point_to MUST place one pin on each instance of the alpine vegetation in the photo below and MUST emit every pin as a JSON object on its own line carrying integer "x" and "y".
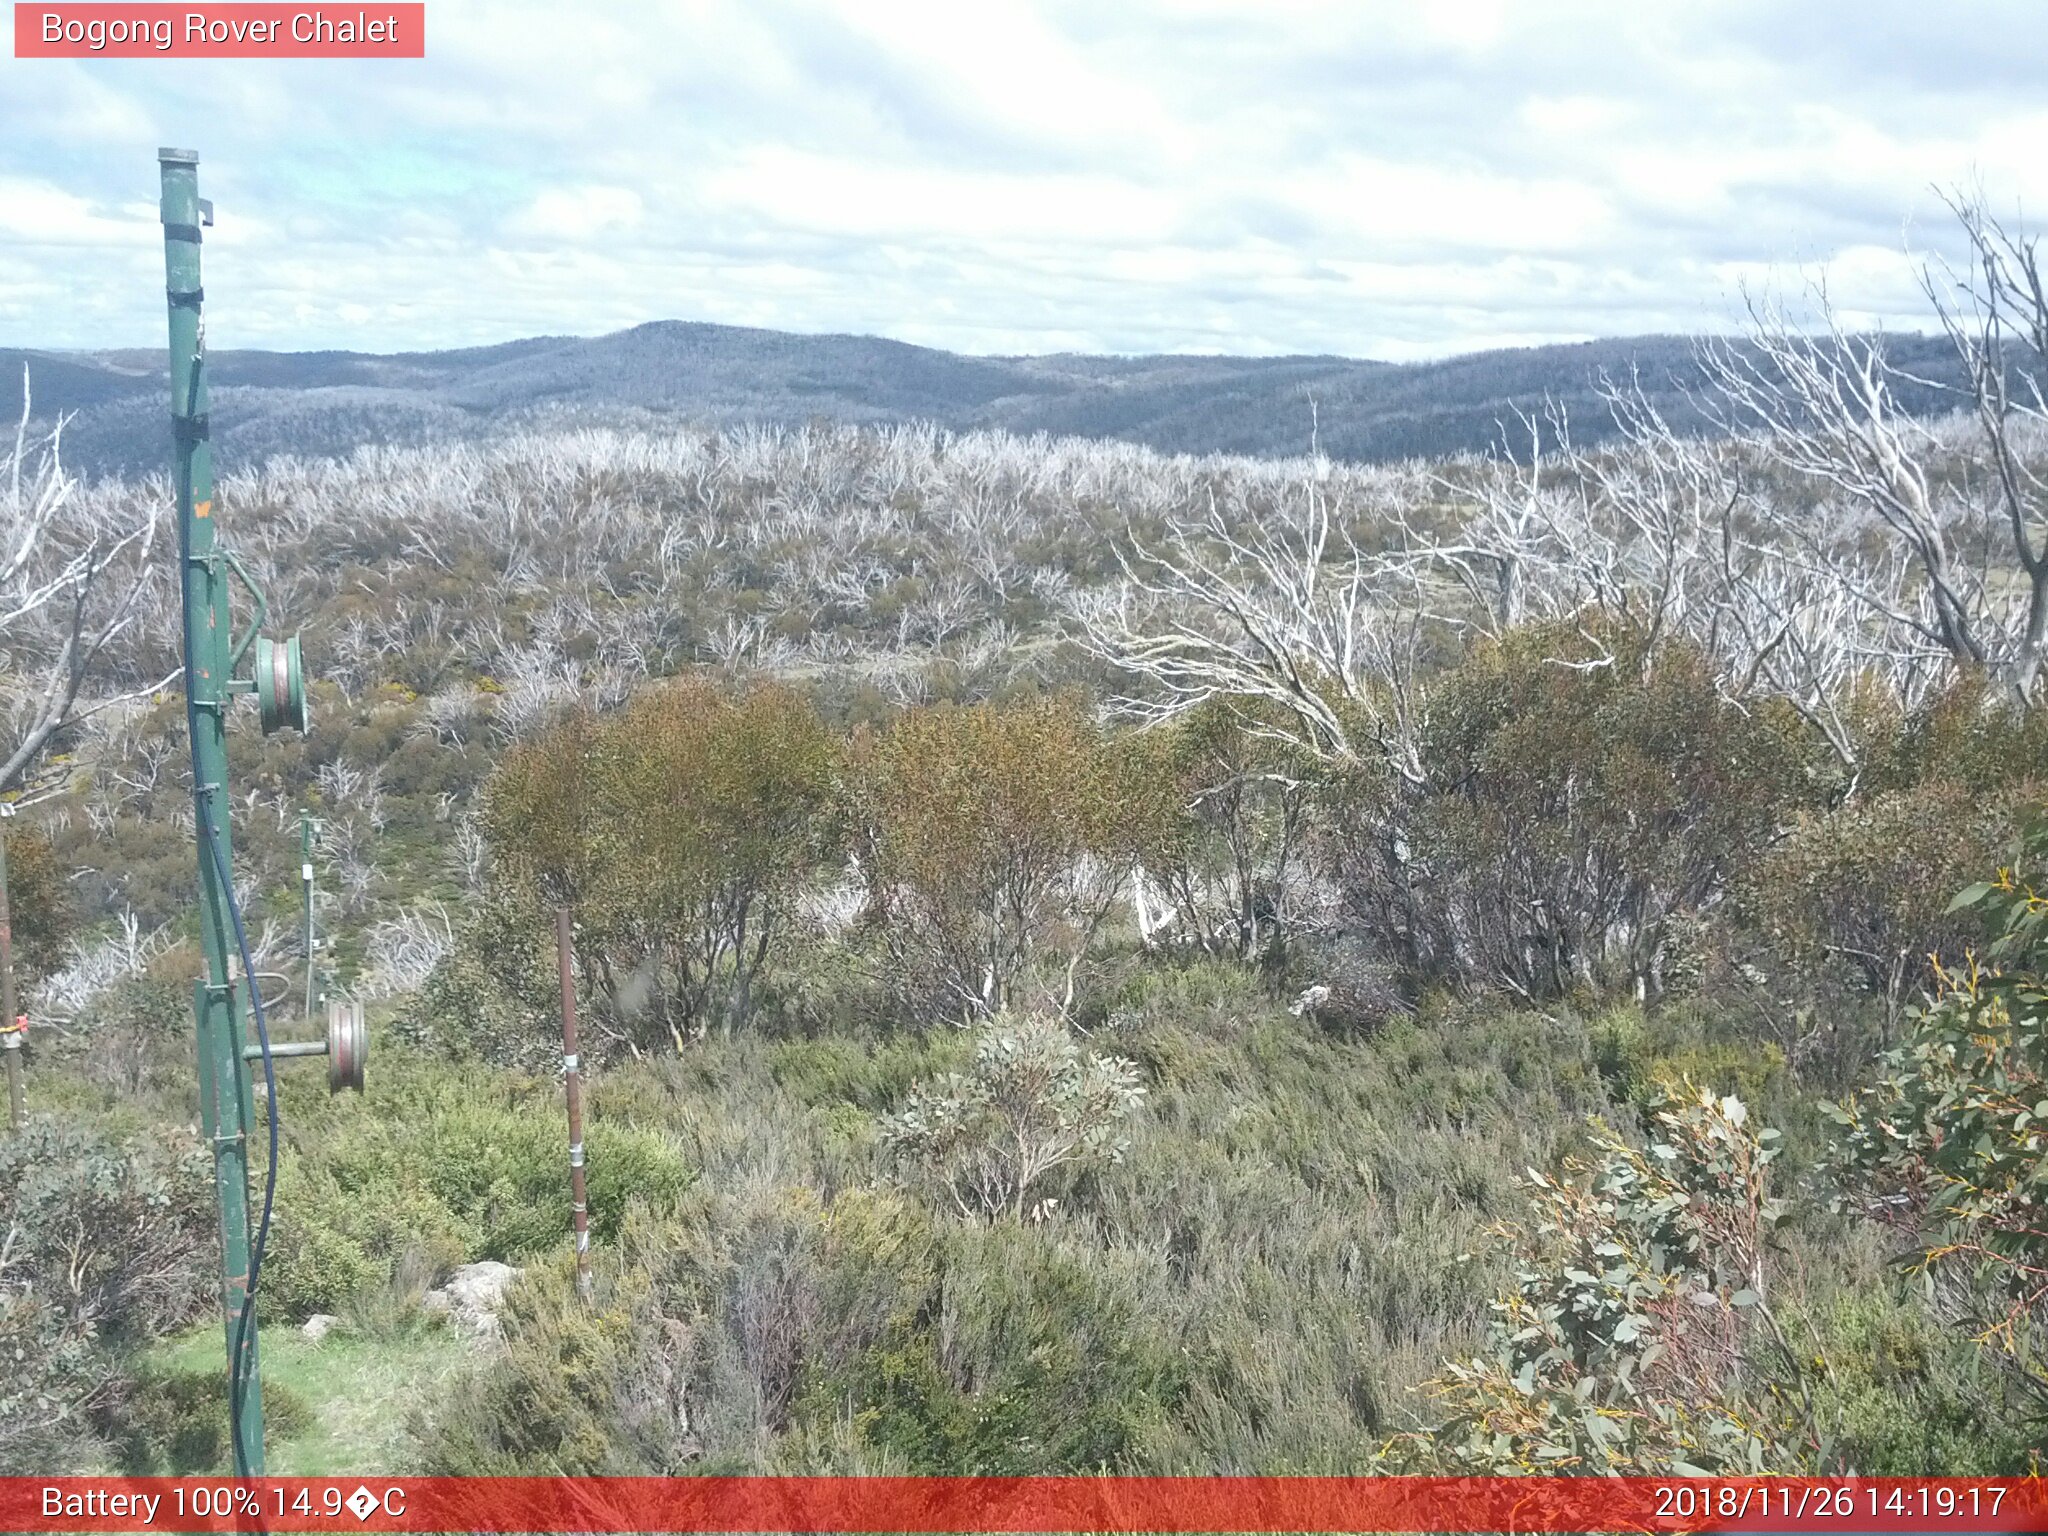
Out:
{"x": 1088, "y": 958}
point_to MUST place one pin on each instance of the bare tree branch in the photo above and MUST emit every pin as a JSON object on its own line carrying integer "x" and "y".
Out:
{"x": 73, "y": 580}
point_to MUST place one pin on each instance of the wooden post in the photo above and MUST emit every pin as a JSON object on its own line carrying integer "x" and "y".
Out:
{"x": 572, "y": 1078}
{"x": 11, "y": 1039}
{"x": 306, "y": 884}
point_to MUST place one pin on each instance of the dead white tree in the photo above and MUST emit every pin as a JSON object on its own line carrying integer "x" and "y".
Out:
{"x": 404, "y": 949}
{"x": 1276, "y": 611}
{"x": 1522, "y": 549}
{"x": 1997, "y": 318}
{"x": 1823, "y": 407}
{"x": 73, "y": 580}
{"x": 1657, "y": 534}
{"x": 1660, "y": 503}
{"x": 1627, "y": 532}
{"x": 1787, "y": 606}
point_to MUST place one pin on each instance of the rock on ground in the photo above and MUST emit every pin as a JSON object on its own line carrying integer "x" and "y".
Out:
{"x": 473, "y": 1296}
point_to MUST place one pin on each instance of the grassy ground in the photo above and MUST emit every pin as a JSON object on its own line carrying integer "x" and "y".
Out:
{"x": 355, "y": 1391}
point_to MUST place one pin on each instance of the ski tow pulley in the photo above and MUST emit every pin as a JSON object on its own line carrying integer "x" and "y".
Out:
{"x": 280, "y": 685}
{"x": 348, "y": 1046}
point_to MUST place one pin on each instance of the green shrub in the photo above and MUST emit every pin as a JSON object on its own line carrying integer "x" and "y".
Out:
{"x": 1643, "y": 1057}
{"x": 1575, "y": 805}
{"x": 173, "y": 1423}
{"x": 1949, "y": 1145}
{"x": 1030, "y": 1104}
{"x": 448, "y": 1174}
{"x": 1229, "y": 864}
{"x": 1622, "y": 1051}
{"x": 997, "y": 836}
{"x": 43, "y": 912}
{"x": 1866, "y": 886}
{"x": 108, "y": 1245}
{"x": 1200, "y": 988}
{"x": 136, "y": 1037}
{"x": 1970, "y": 733}
{"x": 310, "y": 1267}
{"x": 1256, "y": 1287}
{"x": 1639, "y": 1336}
{"x": 495, "y": 996}
{"x": 1916, "y": 1399}
{"x": 865, "y": 1074}
{"x": 681, "y": 830}
{"x": 557, "y": 1401}
{"x": 1050, "y": 1362}
{"x": 857, "y": 1334}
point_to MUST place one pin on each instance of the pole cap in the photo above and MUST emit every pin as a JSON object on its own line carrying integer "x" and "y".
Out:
{"x": 178, "y": 156}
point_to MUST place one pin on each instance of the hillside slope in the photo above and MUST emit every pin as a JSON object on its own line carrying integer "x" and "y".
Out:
{"x": 329, "y": 402}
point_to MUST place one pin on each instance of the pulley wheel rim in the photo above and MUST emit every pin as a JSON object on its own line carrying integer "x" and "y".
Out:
{"x": 280, "y": 683}
{"x": 348, "y": 1046}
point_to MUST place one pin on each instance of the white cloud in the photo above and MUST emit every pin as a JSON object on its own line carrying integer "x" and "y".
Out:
{"x": 904, "y": 202}
{"x": 579, "y": 213}
{"x": 34, "y": 213}
{"x": 1380, "y": 178}
{"x": 1367, "y": 203}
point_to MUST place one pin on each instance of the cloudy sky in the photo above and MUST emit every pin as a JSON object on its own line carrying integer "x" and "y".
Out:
{"x": 1390, "y": 179}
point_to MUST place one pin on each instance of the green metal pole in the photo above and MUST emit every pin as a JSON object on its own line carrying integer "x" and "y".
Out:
{"x": 226, "y": 1102}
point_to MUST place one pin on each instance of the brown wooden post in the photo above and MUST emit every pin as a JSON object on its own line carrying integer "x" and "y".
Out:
{"x": 10, "y": 1042}
{"x": 572, "y": 1077}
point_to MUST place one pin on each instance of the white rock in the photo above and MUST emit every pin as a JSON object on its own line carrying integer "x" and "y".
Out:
{"x": 319, "y": 1325}
{"x": 472, "y": 1297}
{"x": 481, "y": 1287}
{"x": 1309, "y": 1000}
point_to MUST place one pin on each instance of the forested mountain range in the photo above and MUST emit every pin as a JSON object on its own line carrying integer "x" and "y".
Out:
{"x": 322, "y": 403}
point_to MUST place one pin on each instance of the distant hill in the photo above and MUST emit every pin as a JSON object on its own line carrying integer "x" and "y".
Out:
{"x": 265, "y": 403}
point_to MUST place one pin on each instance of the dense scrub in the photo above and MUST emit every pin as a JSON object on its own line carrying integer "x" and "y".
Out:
{"x": 109, "y": 1241}
{"x": 1270, "y": 1280}
{"x": 1252, "y": 1286}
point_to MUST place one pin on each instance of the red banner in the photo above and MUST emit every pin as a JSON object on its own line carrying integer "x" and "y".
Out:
{"x": 1034, "y": 1504}
{"x": 242, "y": 31}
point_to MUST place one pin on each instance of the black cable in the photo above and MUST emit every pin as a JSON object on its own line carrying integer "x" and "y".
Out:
{"x": 239, "y": 1342}
{"x": 245, "y": 1323}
